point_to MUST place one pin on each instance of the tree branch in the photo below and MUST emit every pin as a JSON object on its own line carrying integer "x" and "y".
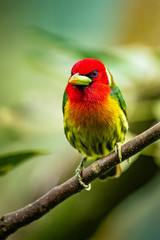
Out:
{"x": 15, "y": 220}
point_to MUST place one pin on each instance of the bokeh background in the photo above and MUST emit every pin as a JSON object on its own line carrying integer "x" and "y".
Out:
{"x": 39, "y": 43}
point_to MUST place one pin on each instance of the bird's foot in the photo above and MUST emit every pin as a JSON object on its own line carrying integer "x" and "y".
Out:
{"x": 118, "y": 150}
{"x": 78, "y": 175}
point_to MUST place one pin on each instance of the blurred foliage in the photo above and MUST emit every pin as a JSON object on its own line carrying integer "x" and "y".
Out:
{"x": 11, "y": 160}
{"x": 40, "y": 42}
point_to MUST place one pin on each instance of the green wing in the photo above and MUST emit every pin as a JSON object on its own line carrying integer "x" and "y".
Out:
{"x": 116, "y": 94}
{"x": 65, "y": 99}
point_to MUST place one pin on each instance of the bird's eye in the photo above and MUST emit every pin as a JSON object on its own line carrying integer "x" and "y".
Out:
{"x": 94, "y": 74}
{"x": 71, "y": 73}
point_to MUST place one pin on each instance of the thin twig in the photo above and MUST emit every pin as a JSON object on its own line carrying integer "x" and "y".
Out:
{"x": 15, "y": 220}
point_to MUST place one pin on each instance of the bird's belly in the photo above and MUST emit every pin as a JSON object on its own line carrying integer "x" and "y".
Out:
{"x": 95, "y": 132}
{"x": 94, "y": 142}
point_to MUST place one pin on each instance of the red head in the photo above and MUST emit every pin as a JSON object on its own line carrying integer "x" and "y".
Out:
{"x": 89, "y": 81}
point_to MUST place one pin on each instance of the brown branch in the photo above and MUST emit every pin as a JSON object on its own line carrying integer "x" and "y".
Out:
{"x": 15, "y": 220}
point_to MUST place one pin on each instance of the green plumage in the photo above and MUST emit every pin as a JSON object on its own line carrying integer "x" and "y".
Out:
{"x": 65, "y": 99}
{"x": 117, "y": 95}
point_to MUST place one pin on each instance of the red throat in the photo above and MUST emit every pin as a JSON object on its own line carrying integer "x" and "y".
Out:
{"x": 87, "y": 95}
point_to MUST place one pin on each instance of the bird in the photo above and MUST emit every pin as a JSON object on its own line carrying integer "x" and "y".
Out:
{"x": 94, "y": 113}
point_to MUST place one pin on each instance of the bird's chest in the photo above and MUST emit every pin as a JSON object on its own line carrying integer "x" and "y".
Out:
{"x": 93, "y": 115}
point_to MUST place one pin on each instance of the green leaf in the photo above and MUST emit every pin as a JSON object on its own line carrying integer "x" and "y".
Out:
{"x": 11, "y": 160}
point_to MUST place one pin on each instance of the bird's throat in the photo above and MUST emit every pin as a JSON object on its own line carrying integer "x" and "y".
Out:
{"x": 87, "y": 95}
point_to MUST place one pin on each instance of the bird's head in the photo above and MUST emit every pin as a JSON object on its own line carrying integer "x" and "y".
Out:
{"x": 89, "y": 72}
{"x": 90, "y": 81}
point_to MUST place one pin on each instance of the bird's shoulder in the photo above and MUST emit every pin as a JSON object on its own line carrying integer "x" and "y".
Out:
{"x": 65, "y": 99}
{"x": 116, "y": 94}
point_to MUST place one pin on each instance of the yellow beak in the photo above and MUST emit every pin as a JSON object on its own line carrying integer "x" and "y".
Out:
{"x": 77, "y": 79}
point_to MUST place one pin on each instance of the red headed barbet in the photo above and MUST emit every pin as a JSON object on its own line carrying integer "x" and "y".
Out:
{"x": 95, "y": 120}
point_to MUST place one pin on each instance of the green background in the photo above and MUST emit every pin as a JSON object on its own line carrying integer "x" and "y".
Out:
{"x": 39, "y": 43}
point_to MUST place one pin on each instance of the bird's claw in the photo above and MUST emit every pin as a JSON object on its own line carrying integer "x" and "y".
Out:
{"x": 79, "y": 177}
{"x": 86, "y": 186}
{"x": 118, "y": 151}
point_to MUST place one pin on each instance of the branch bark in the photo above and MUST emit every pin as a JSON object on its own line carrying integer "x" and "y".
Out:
{"x": 15, "y": 220}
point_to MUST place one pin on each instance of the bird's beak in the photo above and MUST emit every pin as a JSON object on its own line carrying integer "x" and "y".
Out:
{"x": 77, "y": 79}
